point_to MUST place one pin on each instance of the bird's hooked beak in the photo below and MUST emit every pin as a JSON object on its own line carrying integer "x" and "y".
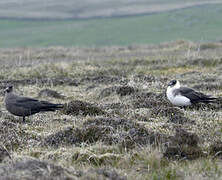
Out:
{"x": 173, "y": 83}
{"x": 8, "y": 89}
{"x": 170, "y": 83}
{"x": 5, "y": 90}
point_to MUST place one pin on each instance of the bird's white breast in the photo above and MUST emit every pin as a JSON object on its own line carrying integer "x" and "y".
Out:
{"x": 177, "y": 100}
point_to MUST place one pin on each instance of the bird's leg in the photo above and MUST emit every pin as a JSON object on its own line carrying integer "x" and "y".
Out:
{"x": 23, "y": 118}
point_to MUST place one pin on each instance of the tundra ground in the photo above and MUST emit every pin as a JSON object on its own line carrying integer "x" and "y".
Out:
{"x": 116, "y": 122}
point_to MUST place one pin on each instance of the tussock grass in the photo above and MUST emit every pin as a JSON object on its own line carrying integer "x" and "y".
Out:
{"x": 117, "y": 122}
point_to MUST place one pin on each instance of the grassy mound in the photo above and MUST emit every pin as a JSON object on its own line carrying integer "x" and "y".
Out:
{"x": 117, "y": 121}
{"x": 110, "y": 131}
{"x": 81, "y": 108}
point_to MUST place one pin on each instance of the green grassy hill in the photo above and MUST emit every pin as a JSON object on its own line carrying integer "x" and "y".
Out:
{"x": 200, "y": 23}
{"x": 57, "y": 9}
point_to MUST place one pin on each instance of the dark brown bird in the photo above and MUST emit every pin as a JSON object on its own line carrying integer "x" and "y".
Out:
{"x": 25, "y": 106}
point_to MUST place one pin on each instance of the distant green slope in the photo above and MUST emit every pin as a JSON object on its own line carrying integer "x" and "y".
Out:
{"x": 198, "y": 24}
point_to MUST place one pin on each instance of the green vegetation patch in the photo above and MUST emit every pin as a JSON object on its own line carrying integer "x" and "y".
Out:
{"x": 188, "y": 23}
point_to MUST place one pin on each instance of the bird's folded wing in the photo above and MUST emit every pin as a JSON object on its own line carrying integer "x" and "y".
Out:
{"x": 25, "y": 100}
{"x": 27, "y": 103}
{"x": 191, "y": 94}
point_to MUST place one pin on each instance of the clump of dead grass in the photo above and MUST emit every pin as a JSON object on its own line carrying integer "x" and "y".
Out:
{"x": 3, "y": 153}
{"x": 14, "y": 136}
{"x": 183, "y": 145}
{"x": 78, "y": 107}
{"x": 110, "y": 131}
{"x": 102, "y": 173}
{"x": 30, "y": 168}
{"x": 50, "y": 93}
{"x": 210, "y": 45}
{"x": 120, "y": 90}
{"x": 42, "y": 81}
{"x": 174, "y": 114}
{"x": 149, "y": 100}
{"x": 133, "y": 110}
{"x": 100, "y": 79}
{"x": 215, "y": 149}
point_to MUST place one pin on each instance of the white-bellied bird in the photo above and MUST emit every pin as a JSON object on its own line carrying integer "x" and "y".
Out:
{"x": 184, "y": 96}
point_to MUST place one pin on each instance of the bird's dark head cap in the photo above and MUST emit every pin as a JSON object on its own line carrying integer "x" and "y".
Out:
{"x": 172, "y": 83}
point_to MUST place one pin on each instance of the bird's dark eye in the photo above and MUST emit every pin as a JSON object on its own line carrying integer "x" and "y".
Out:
{"x": 174, "y": 82}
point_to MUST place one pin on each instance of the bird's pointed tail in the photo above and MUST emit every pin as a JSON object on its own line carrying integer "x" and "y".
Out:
{"x": 46, "y": 106}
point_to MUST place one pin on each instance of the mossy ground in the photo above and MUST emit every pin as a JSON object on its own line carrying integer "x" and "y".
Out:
{"x": 117, "y": 122}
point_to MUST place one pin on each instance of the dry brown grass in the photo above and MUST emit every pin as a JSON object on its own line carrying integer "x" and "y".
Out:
{"x": 117, "y": 122}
